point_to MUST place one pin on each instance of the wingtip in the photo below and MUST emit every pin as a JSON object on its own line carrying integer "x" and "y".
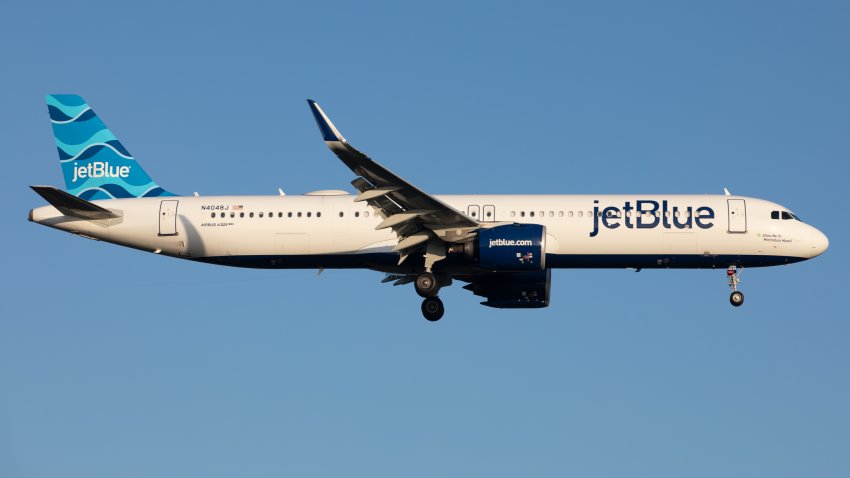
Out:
{"x": 328, "y": 130}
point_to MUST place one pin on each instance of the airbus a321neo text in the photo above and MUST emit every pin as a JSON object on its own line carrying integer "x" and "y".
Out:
{"x": 503, "y": 247}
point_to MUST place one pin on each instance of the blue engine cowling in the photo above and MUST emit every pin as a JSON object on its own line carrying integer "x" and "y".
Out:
{"x": 511, "y": 248}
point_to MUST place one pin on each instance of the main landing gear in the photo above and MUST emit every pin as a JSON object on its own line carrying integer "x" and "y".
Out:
{"x": 427, "y": 286}
{"x": 432, "y": 309}
{"x": 737, "y": 297}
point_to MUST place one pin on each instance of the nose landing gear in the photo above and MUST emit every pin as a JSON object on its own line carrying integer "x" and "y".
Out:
{"x": 737, "y": 297}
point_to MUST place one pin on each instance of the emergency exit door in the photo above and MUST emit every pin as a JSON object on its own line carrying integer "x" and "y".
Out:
{"x": 737, "y": 215}
{"x": 489, "y": 213}
{"x": 168, "y": 218}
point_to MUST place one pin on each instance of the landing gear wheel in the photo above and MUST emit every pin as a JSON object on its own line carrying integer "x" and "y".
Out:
{"x": 432, "y": 309}
{"x": 426, "y": 285}
{"x": 737, "y": 298}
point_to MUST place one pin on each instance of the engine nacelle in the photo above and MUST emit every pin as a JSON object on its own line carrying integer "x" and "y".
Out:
{"x": 511, "y": 248}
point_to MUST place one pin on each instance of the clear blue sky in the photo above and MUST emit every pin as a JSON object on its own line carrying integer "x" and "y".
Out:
{"x": 115, "y": 362}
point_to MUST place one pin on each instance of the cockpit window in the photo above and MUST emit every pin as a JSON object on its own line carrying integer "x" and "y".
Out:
{"x": 774, "y": 214}
{"x": 787, "y": 215}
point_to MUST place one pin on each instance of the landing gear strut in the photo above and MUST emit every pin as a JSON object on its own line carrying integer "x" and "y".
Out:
{"x": 737, "y": 297}
{"x": 432, "y": 309}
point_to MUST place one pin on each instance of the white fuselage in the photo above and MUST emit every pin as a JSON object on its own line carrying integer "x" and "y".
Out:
{"x": 328, "y": 229}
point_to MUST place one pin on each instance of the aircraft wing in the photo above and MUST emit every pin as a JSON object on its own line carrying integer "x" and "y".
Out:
{"x": 413, "y": 214}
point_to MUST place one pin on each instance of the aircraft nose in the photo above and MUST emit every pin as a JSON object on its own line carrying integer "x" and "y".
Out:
{"x": 820, "y": 243}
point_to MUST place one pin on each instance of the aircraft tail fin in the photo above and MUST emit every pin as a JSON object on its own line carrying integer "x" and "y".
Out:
{"x": 94, "y": 163}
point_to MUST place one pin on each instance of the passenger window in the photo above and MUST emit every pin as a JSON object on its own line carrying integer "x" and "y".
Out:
{"x": 580, "y": 214}
{"x": 531, "y": 213}
{"x": 542, "y": 214}
{"x": 232, "y": 214}
{"x": 522, "y": 214}
{"x": 560, "y": 213}
{"x": 551, "y": 214}
{"x": 340, "y": 214}
{"x": 357, "y": 214}
{"x": 289, "y": 214}
{"x": 489, "y": 214}
{"x": 261, "y": 214}
{"x": 309, "y": 213}
{"x": 570, "y": 214}
{"x": 513, "y": 213}
{"x": 366, "y": 214}
{"x": 213, "y": 215}
{"x": 299, "y": 213}
{"x": 318, "y": 214}
{"x": 280, "y": 214}
{"x": 774, "y": 214}
{"x": 251, "y": 215}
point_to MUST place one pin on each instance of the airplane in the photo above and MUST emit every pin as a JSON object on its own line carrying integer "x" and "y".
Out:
{"x": 503, "y": 247}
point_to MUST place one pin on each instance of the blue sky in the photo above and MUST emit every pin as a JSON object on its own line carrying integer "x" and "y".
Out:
{"x": 114, "y": 362}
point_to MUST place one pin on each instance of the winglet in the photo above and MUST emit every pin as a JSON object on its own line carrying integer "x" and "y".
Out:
{"x": 328, "y": 130}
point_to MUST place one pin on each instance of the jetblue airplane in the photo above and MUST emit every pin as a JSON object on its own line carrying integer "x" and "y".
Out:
{"x": 503, "y": 247}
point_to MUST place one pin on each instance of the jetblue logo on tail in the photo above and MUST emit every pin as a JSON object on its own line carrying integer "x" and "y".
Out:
{"x": 649, "y": 215}
{"x": 100, "y": 170}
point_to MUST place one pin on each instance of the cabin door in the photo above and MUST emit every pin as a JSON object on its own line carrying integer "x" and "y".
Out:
{"x": 168, "y": 218}
{"x": 737, "y": 215}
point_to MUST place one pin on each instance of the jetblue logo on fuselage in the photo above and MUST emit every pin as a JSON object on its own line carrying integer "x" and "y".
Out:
{"x": 97, "y": 169}
{"x": 649, "y": 215}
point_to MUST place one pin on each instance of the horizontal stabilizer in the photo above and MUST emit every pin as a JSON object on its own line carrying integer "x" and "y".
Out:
{"x": 71, "y": 205}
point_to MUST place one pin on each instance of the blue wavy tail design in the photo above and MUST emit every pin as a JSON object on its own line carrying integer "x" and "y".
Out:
{"x": 95, "y": 164}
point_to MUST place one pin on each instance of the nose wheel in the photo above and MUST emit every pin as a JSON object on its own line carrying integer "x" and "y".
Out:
{"x": 737, "y": 297}
{"x": 432, "y": 309}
